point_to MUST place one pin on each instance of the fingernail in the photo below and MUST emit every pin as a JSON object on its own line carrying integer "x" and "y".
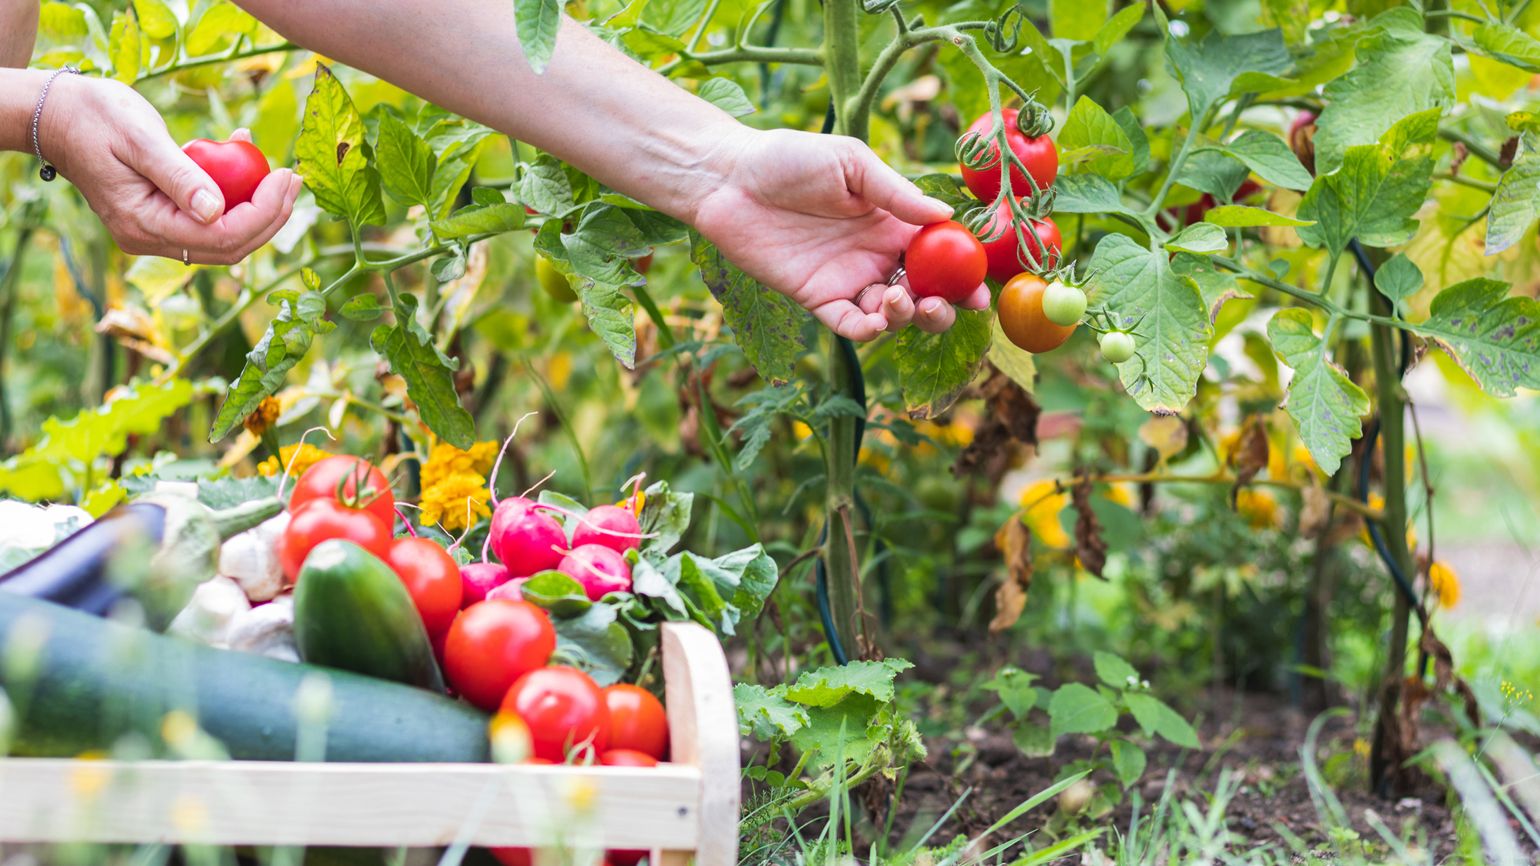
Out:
{"x": 940, "y": 205}
{"x": 894, "y": 295}
{"x": 932, "y": 307}
{"x": 207, "y": 206}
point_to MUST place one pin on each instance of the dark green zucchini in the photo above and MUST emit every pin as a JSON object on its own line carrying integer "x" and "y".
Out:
{"x": 77, "y": 683}
{"x": 352, "y": 612}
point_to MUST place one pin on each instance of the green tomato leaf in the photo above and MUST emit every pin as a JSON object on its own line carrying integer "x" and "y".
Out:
{"x": 1079, "y": 20}
{"x": 828, "y": 686}
{"x": 1132, "y": 128}
{"x": 1203, "y": 238}
{"x": 1270, "y": 157}
{"x": 1166, "y": 314}
{"x": 537, "y": 22}
{"x": 1080, "y": 709}
{"x": 124, "y": 47}
{"x": 429, "y": 374}
{"x": 1092, "y": 142}
{"x": 480, "y": 220}
{"x": 1516, "y": 203}
{"x": 612, "y": 316}
{"x": 1207, "y": 68}
{"x": 1398, "y": 278}
{"x": 1241, "y": 216}
{"x": 673, "y": 17}
{"x": 1326, "y": 406}
{"x": 1493, "y": 336}
{"x": 363, "y": 307}
{"x": 1509, "y": 45}
{"x": 1128, "y": 761}
{"x": 268, "y": 363}
{"x": 156, "y": 19}
{"x": 406, "y": 162}
{"x": 217, "y": 29}
{"x": 727, "y": 95}
{"x": 331, "y": 153}
{"x": 1214, "y": 172}
{"x": 1214, "y": 285}
{"x": 1400, "y": 71}
{"x": 1375, "y": 193}
{"x": 1087, "y": 193}
{"x": 1114, "y": 671}
{"x": 766, "y": 324}
{"x": 1119, "y": 26}
{"x": 1012, "y": 360}
{"x": 1156, "y": 718}
{"x": 933, "y": 369}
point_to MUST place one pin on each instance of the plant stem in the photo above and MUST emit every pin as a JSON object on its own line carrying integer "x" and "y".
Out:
{"x": 1476, "y": 148}
{"x": 749, "y": 54}
{"x": 1467, "y": 181}
{"x": 216, "y": 59}
{"x": 1198, "y": 125}
{"x": 8, "y": 282}
{"x": 705, "y": 21}
{"x": 1392, "y": 414}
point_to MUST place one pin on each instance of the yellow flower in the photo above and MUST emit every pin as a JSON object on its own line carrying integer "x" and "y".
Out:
{"x": 1377, "y": 502}
{"x": 801, "y": 431}
{"x": 445, "y": 460}
{"x": 1041, "y": 504}
{"x": 1445, "y": 583}
{"x": 1300, "y": 456}
{"x": 309, "y": 455}
{"x": 456, "y": 501}
{"x": 1122, "y": 494}
{"x": 1258, "y": 507}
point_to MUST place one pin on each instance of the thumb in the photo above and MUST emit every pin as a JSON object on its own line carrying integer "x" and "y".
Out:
{"x": 877, "y": 182}
{"x": 181, "y": 179}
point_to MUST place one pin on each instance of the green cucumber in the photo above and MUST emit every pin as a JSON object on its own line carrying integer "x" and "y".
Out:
{"x": 77, "y": 683}
{"x": 352, "y": 612}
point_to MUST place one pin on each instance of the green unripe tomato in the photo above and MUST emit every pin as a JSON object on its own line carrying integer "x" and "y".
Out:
{"x": 1117, "y": 346}
{"x": 556, "y": 284}
{"x": 1064, "y": 305}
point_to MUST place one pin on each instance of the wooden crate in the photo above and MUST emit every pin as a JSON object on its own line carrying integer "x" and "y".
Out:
{"x": 685, "y": 809}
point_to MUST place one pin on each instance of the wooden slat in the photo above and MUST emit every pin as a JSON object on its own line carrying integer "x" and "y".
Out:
{"x": 703, "y": 732}
{"x": 272, "y": 803}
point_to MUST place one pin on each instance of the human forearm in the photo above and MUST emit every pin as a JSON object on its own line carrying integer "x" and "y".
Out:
{"x": 18, "y": 31}
{"x": 19, "y": 90}
{"x": 630, "y": 128}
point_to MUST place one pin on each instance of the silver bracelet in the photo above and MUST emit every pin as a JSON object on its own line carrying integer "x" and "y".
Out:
{"x": 47, "y": 171}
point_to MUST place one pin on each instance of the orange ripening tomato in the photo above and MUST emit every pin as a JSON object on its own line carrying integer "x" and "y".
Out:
{"x": 1022, "y": 317}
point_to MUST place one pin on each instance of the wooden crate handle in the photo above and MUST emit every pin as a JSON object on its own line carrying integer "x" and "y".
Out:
{"x": 703, "y": 732}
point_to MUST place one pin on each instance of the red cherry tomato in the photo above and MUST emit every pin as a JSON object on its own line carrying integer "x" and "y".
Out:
{"x": 493, "y": 643}
{"x": 946, "y": 261}
{"x": 514, "y": 856}
{"x": 564, "y": 709}
{"x": 351, "y": 481}
{"x": 637, "y": 720}
{"x": 432, "y": 577}
{"x": 1002, "y": 252}
{"x": 322, "y": 519}
{"x": 1038, "y": 154}
{"x": 237, "y": 167}
{"x": 627, "y": 758}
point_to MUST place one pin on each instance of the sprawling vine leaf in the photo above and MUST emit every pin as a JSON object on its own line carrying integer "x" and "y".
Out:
{"x": 766, "y": 324}
{"x": 1376, "y": 191}
{"x": 1214, "y": 285}
{"x": 1207, "y": 68}
{"x": 1241, "y": 216}
{"x": 217, "y": 28}
{"x": 406, "y": 162}
{"x": 934, "y": 368}
{"x": 429, "y": 374}
{"x": 491, "y": 218}
{"x": 1091, "y": 142}
{"x": 1494, "y": 337}
{"x": 727, "y": 95}
{"x": 125, "y": 48}
{"x": 1516, "y": 202}
{"x": 286, "y": 341}
{"x": 1076, "y": 19}
{"x": 332, "y": 156}
{"x": 1326, "y": 406}
{"x": 1087, "y": 193}
{"x": 1270, "y": 157}
{"x": 1166, "y": 313}
{"x": 1509, "y": 44}
{"x": 1201, "y": 237}
{"x": 1398, "y": 278}
{"x": 537, "y": 22}
{"x": 1400, "y": 70}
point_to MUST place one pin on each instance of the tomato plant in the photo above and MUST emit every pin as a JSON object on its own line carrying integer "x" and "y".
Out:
{"x": 1009, "y": 254}
{"x": 945, "y": 260}
{"x": 237, "y": 167}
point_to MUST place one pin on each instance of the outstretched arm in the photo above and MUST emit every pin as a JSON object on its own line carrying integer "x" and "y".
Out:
{"x": 818, "y": 218}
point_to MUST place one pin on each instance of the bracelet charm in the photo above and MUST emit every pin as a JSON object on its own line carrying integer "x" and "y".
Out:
{"x": 46, "y": 171}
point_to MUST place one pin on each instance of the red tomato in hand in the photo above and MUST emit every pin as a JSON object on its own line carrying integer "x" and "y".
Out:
{"x": 564, "y": 709}
{"x": 1038, "y": 154}
{"x": 1002, "y": 253}
{"x": 946, "y": 261}
{"x": 237, "y": 167}
{"x": 351, "y": 481}
{"x": 431, "y": 576}
{"x": 322, "y": 519}
{"x": 637, "y": 720}
{"x": 493, "y": 643}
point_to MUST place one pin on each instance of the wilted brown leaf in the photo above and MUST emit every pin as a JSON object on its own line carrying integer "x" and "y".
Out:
{"x": 1013, "y": 541}
{"x": 1090, "y": 547}
{"x": 1011, "y": 419}
{"x": 1249, "y": 455}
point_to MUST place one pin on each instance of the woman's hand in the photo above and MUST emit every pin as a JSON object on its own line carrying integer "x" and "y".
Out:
{"x": 113, "y": 146}
{"x": 822, "y": 220}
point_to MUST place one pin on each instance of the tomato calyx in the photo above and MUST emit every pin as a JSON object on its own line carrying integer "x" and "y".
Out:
{"x": 362, "y": 493}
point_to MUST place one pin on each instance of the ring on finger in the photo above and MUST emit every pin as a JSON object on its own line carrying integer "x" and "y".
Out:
{"x": 897, "y": 275}
{"x": 186, "y": 257}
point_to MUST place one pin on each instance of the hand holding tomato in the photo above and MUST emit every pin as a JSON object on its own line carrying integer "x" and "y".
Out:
{"x": 154, "y": 200}
{"x": 823, "y": 221}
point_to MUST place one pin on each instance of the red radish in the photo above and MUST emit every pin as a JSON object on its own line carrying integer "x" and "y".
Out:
{"x": 479, "y": 578}
{"x": 512, "y": 590}
{"x": 525, "y": 539}
{"x": 609, "y": 525}
{"x": 598, "y": 568}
